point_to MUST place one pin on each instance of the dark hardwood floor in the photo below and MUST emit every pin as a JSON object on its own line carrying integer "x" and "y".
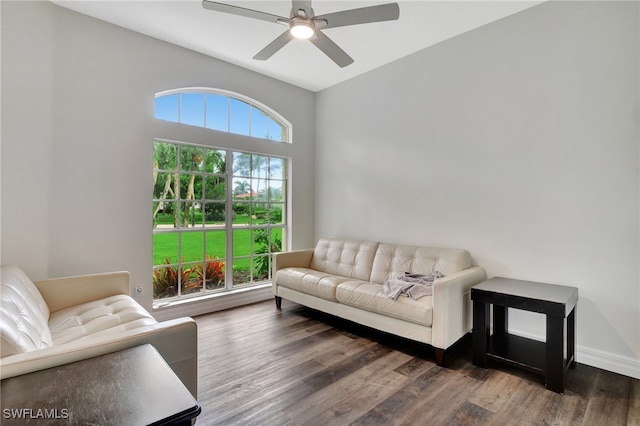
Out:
{"x": 260, "y": 366}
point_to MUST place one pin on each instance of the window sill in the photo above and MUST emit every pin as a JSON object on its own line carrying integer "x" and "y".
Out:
{"x": 208, "y": 303}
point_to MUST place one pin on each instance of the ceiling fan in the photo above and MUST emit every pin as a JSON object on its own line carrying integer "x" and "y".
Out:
{"x": 303, "y": 24}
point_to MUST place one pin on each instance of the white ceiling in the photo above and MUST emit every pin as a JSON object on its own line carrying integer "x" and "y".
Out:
{"x": 236, "y": 39}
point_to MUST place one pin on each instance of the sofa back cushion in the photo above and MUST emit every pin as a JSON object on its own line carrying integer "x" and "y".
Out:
{"x": 394, "y": 260}
{"x": 347, "y": 258}
{"x": 24, "y": 315}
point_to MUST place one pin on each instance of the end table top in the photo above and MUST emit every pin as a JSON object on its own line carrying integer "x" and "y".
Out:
{"x": 527, "y": 290}
{"x": 130, "y": 387}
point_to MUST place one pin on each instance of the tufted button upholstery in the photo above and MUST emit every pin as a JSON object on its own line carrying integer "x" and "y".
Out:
{"x": 23, "y": 313}
{"x": 109, "y": 315}
{"x": 347, "y": 258}
{"x": 394, "y": 260}
{"x": 27, "y": 324}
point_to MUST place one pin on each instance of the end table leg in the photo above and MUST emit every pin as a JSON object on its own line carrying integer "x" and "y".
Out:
{"x": 555, "y": 372}
{"x": 480, "y": 333}
{"x": 571, "y": 337}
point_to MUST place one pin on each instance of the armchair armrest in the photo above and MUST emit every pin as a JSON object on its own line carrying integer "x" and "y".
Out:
{"x": 452, "y": 308}
{"x": 60, "y": 293}
{"x": 176, "y": 340}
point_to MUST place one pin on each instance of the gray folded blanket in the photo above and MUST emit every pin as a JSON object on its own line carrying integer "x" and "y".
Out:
{"x": 413, "y": 286}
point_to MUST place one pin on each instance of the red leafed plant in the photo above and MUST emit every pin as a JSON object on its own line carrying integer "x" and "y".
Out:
{"x": 213, "y": 275}
{"x": 165, "y": 280}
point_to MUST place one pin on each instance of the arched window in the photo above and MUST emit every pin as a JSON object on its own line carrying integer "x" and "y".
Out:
{"x": 223, "y": 111}
{"x": 219, "y": 214}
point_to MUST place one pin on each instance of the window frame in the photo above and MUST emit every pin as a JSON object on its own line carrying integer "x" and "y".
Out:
{"x": 178, "y": 133}
{"x": 229, "y": 227}
{"x": 286, "y": 125}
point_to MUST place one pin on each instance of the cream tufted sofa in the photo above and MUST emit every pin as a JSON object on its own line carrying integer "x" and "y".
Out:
{"x": 345, "y": 278}
{"x": 53, "y": 322}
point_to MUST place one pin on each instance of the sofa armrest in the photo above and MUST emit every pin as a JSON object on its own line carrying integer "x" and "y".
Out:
{"x": 60, "y": 293}
{"x": 176, "y": 340}
{"x": 452, "y": 308}
{"x": 289, "y": 259}
{"x": 295, "y": 258}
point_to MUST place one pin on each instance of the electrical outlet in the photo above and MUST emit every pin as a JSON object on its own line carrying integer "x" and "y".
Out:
{"x": 139, "y": 290}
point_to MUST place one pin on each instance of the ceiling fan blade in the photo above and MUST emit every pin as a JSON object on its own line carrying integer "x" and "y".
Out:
{"x": 274, "y": 46}
{"x": 331, "y": 49}
{"x": 363, "y": 15}
{"x": 241, "y": 11}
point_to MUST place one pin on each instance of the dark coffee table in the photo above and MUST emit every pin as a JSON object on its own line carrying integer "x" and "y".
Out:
{"x": 550, "y": 358}
{"x": 130, "y": 387}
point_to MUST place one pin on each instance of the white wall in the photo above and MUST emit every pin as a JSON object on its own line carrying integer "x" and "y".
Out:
{"x": 27, "y": 136}
{"x": 77, "y": 133}
{"x": 518, "y": 141}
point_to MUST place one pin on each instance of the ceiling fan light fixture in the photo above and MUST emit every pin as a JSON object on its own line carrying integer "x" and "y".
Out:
{"x": 302, "y": 29}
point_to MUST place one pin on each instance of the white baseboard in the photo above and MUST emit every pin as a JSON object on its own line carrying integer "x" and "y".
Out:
{"x": 213, "y": 303}
{"x": 620, "y": 364}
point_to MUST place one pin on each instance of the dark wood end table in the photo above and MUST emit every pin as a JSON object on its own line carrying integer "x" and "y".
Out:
{"x": 550, "y": 358}
{"x": 131, "y": 387}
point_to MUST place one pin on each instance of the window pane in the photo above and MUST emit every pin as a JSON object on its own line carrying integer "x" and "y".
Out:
{"x": 214, "y": 274}
{"x": 259, "y": 166}
{"x": 191, "y": 246}
{"x": 164, "y": 156}
{"x": 275, "y": 190}
{"x": 276, "y": 215}
{"x": 261, "y": 268}
{"x": 164, "y": 186}
{"x": 259, "y": 187}
{"x": 214, "y": 188}
{"x": 191, "y": 278}
{"x": 167, "y": 108}
{"x": 276, "y": 131}
{"x": 241, "y": 213}
{"x": 259, "y": 124}
{"x": 165, "y": 282}
{"x": 241, "y": 242}
{"x": 191, "y": 214}
{"x": 242, "y": 189}
{"x": 241, "y": 164}
{"x": 215, "y": 161}
{"x": 276, "y": 167}
{"x": 192, "y": 109}
{"x": 259, "y": 212}
{"x": 191, "y": 158}
{"x": 215, "y": 245}
{"x": 214, "y": 214}
{"x": 217, "y": 112}
{"x": 238, "y": 117}
{"x": 168, "y": 215}
{"x": 165, "y": 248}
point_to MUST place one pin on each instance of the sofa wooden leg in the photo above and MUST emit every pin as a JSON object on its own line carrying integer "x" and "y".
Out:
{"x": 439, "y": 357}
{"x": 278, "y": 302}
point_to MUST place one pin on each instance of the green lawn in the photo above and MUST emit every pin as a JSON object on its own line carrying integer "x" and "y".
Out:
{"x": 193, "y": 246}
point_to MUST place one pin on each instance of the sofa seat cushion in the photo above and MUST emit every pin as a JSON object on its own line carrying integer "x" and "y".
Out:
{"x": 368, "y": 296}
{"x": 310, "y": 281}
{"x": 111, "y": 314}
